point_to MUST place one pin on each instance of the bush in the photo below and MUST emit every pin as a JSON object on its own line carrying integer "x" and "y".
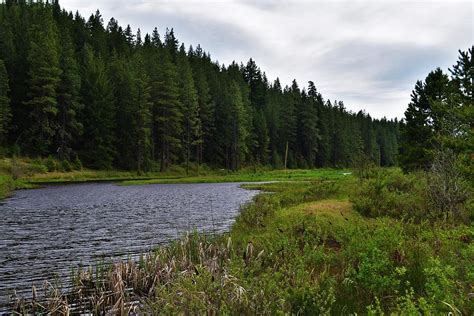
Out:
{"x": 77, "y": 164}
{"x": 6, "y": 185}
{"x": 389, "y": 192}
{"x": 16, "y": 170}
{"x": 51, "y": 164}
{"x": 36, "y": 166}
{"x": 66, "y": 166}
{"x": 446, "y": 188}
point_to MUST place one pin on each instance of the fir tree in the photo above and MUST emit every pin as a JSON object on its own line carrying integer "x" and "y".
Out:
{"x": 261, "y": 139}
{"x": 289, "y": 122}
{"x": 121, "y": 78}
{"x": 142, "y": 116}
{"x": 309, "y": 122}
{"x": 168, "y": 115}
{"x": 238, "y": 127}
{"x": 189, "y": 101}
{"x": 69, "y": 128}
{"x": 206, "y": 128}
{"x": 417, "y": 135}
{"x": 423, "y": 121}
{"x": 97, "y": 147}
{"x": 458, "y": 117}
{"x": 44, "y": 77}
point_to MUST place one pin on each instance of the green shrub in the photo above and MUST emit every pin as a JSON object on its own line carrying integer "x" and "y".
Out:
{"x": 77, "y": 164}
{"x": 312, "y": 299}
{"x": 6, "y": 185}
{"x": 389, "y": 192}
{"x": 447, "y": 189}
{"x": 439, "y": 286}
{"x": 36, "y": 166}
{"x": 253, "y": 215}
{"x": 51, "y": 164}
{"x": 66, "y": 166}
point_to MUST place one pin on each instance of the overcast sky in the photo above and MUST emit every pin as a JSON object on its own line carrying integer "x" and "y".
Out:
{"x": 368, "y": 54}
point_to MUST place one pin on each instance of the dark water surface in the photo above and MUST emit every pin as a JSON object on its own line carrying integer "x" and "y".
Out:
{"x": 49, "y": 231}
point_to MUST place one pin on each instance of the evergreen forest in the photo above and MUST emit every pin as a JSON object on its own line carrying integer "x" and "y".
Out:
{"x": 81, "y": 89}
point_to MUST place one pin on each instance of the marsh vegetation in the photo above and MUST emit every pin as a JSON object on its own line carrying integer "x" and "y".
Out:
{"x": 312, "y": 247}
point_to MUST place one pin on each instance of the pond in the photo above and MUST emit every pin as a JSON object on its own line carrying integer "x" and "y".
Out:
{"x": 47, "y": 232}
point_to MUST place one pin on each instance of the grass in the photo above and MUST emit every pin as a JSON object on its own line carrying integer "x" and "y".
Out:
{"x": 247, "y": 176}
{"x": 23, "y": 173}
{"x": 300, "y": 250}
{"x": 8, "y": 185}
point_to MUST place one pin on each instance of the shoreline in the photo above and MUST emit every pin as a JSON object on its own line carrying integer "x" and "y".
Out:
{"x": 8, "y": 185}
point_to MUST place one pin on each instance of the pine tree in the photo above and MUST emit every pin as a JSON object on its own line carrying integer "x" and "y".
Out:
{"x": 254, "y": 78}
{"x": 458, "y": 117}
{"x": 97, "y": 40}
{"x": 261, "y": 139}
{"x": 69, "y": 128}
{"x": 142, "y": 115}
{"x": 238, "y": 125}
{"x": 462, "y": 74}
{"x": 189, "y": 101}
{"x": 115, "y": 39}
{"x": 343, "y": 136}
{"x": 155, "y": 38}
{"x": 44, "y": 77}
{"x": 272, "y": 114}
{"x": 15, "y": 22}
{"x": 289, "y": 122}
{"x": 309, "y": 122}
{"x": 206, "y": 109}
{"x": 167, "y": 111}
{"x": 121, "y": 78}
{"x": 5, "y": 112}
{"x": 98, "y": 148}
{"x": 129, "y": 37}
{"x": 7, "y": 46}
{"x": 417, "y": 135}
{"x": 371, "y": 152}
{"x": 171, "y": 44}
{"x": 423, "y": 121}
{"x": 323, "y": 154}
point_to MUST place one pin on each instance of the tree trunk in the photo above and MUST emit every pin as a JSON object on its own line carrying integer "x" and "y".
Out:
{"x": 188, "y": 145}
{"x": 163, "y": 153}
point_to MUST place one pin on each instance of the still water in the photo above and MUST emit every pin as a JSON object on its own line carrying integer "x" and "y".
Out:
{"x": 46, "y": 232}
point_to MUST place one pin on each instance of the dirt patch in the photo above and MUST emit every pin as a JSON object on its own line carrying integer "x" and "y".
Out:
{"x": 336, "y": 207}
{"x": 332, "y": 244}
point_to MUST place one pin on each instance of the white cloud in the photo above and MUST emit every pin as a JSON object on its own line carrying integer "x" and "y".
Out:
{"x": 367, "y": 53}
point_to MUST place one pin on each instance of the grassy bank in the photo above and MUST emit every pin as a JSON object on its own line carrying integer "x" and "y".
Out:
{"x": 248, "y": 176}
{"x": 300, "y": 250}
{"x": 29, "y": 173}
{"x": 8, "y": 185}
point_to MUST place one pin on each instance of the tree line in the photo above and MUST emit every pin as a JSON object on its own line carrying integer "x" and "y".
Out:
{"x": 76, "y": 88}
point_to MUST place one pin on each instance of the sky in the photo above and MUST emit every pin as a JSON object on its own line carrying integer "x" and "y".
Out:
{"x": 368, "y": 53}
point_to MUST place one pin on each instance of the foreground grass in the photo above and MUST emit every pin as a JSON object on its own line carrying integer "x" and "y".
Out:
{"x": 299, "y": 250}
